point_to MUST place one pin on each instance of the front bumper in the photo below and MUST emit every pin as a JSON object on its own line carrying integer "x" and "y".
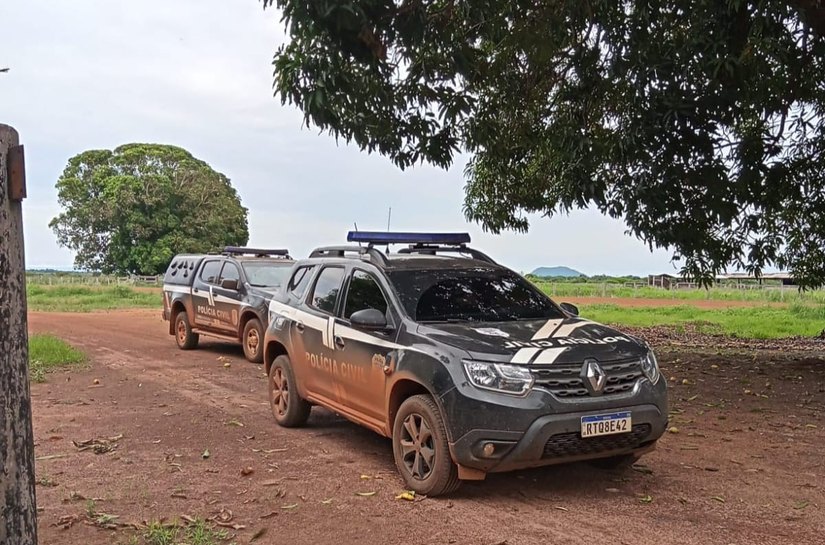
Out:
{"x": 526, "y": 436}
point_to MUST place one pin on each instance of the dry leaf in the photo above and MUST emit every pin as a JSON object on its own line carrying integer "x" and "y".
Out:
{"x": 408, "y": 495}
{"x": 365, "y": 494}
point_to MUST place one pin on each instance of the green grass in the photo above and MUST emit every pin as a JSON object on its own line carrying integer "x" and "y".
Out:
{"x": 47, "y": 353}
{"x": 88, "y": 298}
{"x": 198, "y": 532}
{"x": 758, "y": 322}
{"x": 581, "y": 289}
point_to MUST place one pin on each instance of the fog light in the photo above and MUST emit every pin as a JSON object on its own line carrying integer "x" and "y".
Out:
{"x": 489, "y": 449}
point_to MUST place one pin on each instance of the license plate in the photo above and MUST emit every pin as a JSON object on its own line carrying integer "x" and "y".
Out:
{"x": 606, "y": 424}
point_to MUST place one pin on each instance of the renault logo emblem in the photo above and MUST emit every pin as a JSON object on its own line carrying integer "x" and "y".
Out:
{"x": 593, "y": 376}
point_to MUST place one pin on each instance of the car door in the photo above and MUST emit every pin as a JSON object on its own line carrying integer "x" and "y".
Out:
{"x": 203, "y": 296}
{"x": 363, "y": 355}
{"x": 228, "y": 300}
{"x": 314, "y": 327}
{"x": 296, "y": 289}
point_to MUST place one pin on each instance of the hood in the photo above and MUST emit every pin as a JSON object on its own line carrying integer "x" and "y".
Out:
{"x": 266, "y": 293}
{"x": 562, "y": 340}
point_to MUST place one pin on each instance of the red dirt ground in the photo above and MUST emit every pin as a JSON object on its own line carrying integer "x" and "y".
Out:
{"x": 745, "y": 465}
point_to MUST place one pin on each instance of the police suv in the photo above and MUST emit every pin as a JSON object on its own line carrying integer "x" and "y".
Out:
{"x": 224, "y": 296}
{"x": 467, "y": 366}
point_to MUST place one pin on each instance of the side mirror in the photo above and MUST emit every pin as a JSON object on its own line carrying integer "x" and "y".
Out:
{"x": 369, "y": 318}
{"x": 570, "y": 309}
{"x": 229, "y": 284}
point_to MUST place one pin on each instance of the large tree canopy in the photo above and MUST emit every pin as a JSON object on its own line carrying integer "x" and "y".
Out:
{"x": 698, "y": 122}
{"x": 132, "y": 209}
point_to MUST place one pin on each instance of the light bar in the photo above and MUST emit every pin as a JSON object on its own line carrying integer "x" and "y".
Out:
{"x": 240, "y": 250}
{"x": 384, "y": 237}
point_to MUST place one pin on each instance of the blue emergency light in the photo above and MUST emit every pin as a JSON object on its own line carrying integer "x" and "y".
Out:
{"x": 384, "y": 237}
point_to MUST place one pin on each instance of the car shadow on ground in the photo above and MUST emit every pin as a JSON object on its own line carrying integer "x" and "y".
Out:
{"x": 552, "y": 483}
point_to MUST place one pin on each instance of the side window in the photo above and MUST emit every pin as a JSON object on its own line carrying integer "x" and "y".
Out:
{"x": 300, "y": 280}
{"x": 364, "y": 292}
{"x": 326, "y": 289}
{"x": 230, "y": 272}
{"x": 210, "y": 272}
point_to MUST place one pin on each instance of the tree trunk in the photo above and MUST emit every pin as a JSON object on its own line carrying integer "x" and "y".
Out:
{"x": 18, "y": 517}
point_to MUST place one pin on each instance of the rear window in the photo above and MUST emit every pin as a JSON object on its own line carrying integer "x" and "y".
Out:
{"x": 300, "y": 280}
{"x": 473, "y": 295}
{"x": 210, "y": 272}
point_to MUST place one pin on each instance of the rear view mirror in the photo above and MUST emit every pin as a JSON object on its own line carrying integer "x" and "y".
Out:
{"x": 229, "y": 284}
{"x": 570, "y": 309}
{"x": 369, "y": 318}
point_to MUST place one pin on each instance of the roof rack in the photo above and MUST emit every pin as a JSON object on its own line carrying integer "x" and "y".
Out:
{"x": 364, "y": 252}
{"x": 429, "y": 249}
{"x": 386, "y": 237}
{"x": 257, "y": 252}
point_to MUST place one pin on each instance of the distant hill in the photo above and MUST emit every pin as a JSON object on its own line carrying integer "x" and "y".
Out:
{"x": 546, "y": 272}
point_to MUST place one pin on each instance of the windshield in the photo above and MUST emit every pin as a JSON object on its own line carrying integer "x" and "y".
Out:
{"x": 474, "y": 295}
{"x": 267, "y": 274}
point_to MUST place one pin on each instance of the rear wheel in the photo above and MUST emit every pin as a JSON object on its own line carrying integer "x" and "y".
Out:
{"x": 253, "y": 341}
{"x": 419, "y": 444}
{"x": 287, "y": 406}
{"x": 184, "y": 336}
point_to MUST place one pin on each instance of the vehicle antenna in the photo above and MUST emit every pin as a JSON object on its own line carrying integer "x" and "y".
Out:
{"x": 389, "y": 217}
{"x": 355, "y": 223}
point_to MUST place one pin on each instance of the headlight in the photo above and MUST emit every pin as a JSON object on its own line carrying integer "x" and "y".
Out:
{"x": 499, "y": 377}
{"x": 650, "y": 367}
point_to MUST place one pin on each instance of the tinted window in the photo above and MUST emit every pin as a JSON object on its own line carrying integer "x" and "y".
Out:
{"x": 210, "y": 271}
{"x": 230, "y": 272}
{"x": 266, "y": 275}
{"x": 364, "y": 292}
{"x": 300, "y": 280}
{"x": 326, "y": 289}
{"x": 478, "y": 295}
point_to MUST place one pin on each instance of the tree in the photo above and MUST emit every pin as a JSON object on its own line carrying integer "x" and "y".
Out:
{"x": 132, "y": 209}
{"x": 698, "y": 122}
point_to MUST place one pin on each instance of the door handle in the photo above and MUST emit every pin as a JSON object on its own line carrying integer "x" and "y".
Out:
{"x": 339, "y": 342}
{"x": 194, "y": 290}
{"x": 299, "y": 326}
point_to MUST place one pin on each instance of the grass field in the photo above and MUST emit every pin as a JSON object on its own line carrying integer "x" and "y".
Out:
{"x": 47, "y": 353}
{"x": 758, "y": 322}
{"x": 89, "y": 298}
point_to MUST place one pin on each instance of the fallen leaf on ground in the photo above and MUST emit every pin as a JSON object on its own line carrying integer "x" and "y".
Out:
{"x": 560, "y": 508}
{"x": 206, "y": 454}
{"x": 247, "y": 471}
{"x": 673, "y": 429}
{"x": 801, "y": 505}
{"x": 257, "y": 534}
{"x": 365, "y": 493}
{"x": 646, "y": 499}
{"x": 327, "y": 502}
{"x": 290, "y": 506}
{"x": 408, "y": 495}
{"x": 720, "y": 499}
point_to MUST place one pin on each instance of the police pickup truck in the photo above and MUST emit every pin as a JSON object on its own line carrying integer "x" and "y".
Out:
{"x": 224, "y": 296}
{"x": 464, "y": 364}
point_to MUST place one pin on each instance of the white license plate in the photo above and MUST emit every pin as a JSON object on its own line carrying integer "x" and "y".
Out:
{"x": 606, "y": 424}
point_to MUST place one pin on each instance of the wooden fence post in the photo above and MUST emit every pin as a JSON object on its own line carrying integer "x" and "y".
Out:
{"x": 18, "y": 517}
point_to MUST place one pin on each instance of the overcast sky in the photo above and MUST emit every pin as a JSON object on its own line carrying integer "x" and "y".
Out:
{"x": 97, "y": 74}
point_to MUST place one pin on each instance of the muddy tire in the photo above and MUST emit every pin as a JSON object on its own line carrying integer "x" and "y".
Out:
{"x": 289, "y": 410}
{"x": 419, "y": 445}
{"x": 623, "y": 461}
{"x": 184, "y": 336}
{"x": 253, "y": 341}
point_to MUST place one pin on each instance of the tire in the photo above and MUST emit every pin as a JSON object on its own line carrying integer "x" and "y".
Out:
{"x": 253, "y": 341}
{"x": 289, "y": 410}
{"x": 184, "y": 336}
{"x": 419, "y": 446}
{"x": 622, "y": 461}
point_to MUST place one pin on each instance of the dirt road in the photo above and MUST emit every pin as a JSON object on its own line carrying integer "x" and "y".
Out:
{"x": 744, "y": 467}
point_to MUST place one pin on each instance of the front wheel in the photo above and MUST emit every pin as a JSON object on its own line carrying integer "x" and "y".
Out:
{"x": 184, "y": 336}
{"x": 419, "y": 445}
{"x": 253, "y": 341}
{"x": 288, "y": 408}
